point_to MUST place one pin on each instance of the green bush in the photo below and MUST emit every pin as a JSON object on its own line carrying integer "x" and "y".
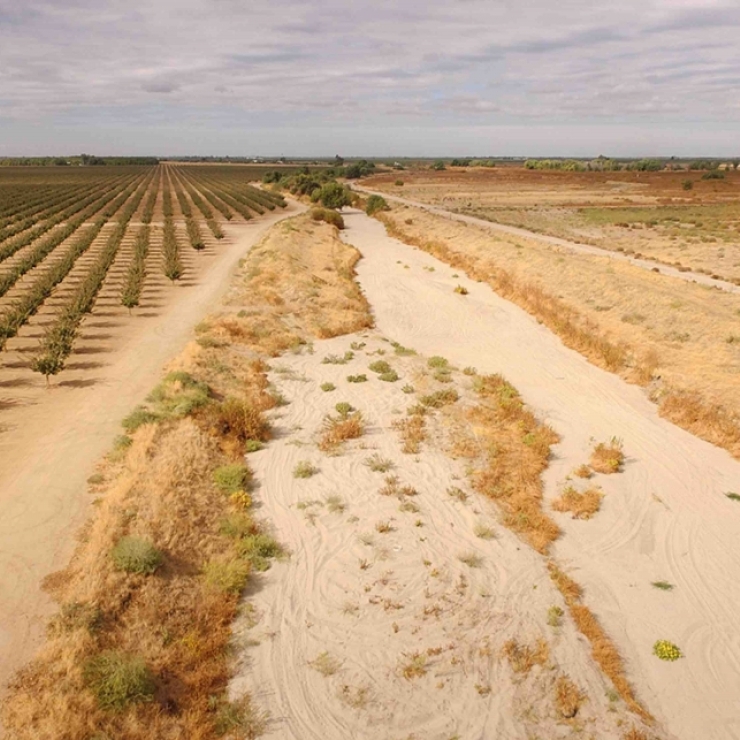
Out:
{"x": 232, "y": 478}
{"x": 666, "y": 650}
{"x": 137, "y": 418}
{"x": 334, "y": 195}
{"x": 118, "y": 679}
{"x": 258, "y": 549}
{"x": 357, "y": 378}
{"x": 439, "y": 165}
{"x": 343, "y": 408}
{"x": 229, "y": 576}
{"x": 328, "y": 216}
{"x": 376, "y": 203}
{"x": 687, "y": 184}
{"x": 136, "y": 555}
{"x": 713, "y": 175}
{"x": 380, "y": 366}
{"x": 390, "y": 377}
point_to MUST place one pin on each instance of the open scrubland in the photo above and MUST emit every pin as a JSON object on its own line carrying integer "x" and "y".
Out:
{"x": 373, "y": 497}
{"x": 686, "y": 218}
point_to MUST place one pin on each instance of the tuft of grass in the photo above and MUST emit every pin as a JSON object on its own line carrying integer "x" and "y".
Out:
{"x": 440, "y": 398}
{"x": 258, "y": 549}
{"x": 357, "y": 378}
{"x": 227, "y": 575}
{"x": 337, "y": 360}
{"x": 408, "y": 389}
{"x": 380, "y": 367}
{"x": 240, "y": 719}
{"x": 238, "y": 525}
{"x": 344, "y": 409}
{"x": 458, "y": 494}
{"x": 583, "y": 505}
{"x": 379, "y": 464}
{"x": 733, "y": 496}
{"x": 413, "y": 665}
{"x": 568, "y": 698}
{"x": 469, "y": 370}
{"x": 337, "y": 430}
{"x": 471, "y": 559}
{"x": 413, "y": 433}
{"x": 136, "y": 555}
{"x": 555, "y": 616}
{"x": 232, "y": 478}
{"x": 583, "y": 471}
{"x": 389, "y": 377}
{"x": 437, "y": 362}
{"x": 304, "y": 469}
{"x": 666, "y": 650}
{"x": 118, "y": 679}
{"x": 335, "y": 505}
{"x": 523, "y": 658}
{"x": 608, "y": 457}
{"x": 328, "y": 387}
{"x": 325, "y": 664}
{"x": 238, "y": 419}
{"x": 383, "y": 527}
{"x": 483, "y": 531}
{"x": 253, "y": 445}
{"x": 461, "y": 290}
{"x": 402, "y": 351}
{"x": 409, "y": 507}
{"x": 137, "y": 418}
{"x": 663, "y": 585}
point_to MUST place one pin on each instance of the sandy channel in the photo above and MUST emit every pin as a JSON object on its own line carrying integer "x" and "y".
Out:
{"x": 666, "y": 517}
{"x": 46, "y": 459}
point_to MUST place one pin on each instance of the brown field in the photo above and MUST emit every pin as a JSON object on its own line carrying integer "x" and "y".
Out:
{"x": 645, "y": 213}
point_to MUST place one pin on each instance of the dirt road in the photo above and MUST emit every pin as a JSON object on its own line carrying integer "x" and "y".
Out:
{"x": 52, "y": 440}
{"x": 665, "y": 518}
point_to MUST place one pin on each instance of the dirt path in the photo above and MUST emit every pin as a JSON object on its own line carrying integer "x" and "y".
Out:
{"x": 690, "y": 277}
{"x": 665, "y": 518}
{"x": 52, "y": 439}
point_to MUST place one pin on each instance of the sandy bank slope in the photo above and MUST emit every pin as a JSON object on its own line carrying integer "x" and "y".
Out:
{"x": 47, "y": 459}
{"x": 664, "y": 518}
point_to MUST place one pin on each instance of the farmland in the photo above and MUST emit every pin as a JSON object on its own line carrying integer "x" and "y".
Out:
{"x": 71, "y": 241}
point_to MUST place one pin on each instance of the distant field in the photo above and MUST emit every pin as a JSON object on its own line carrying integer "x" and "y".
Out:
{"x": 647, "y": 213}
{"x": 70, "y": 235}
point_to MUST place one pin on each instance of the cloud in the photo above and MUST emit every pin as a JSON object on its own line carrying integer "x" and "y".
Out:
{"x": 351, "y": 65}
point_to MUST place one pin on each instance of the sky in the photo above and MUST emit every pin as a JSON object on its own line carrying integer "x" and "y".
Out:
{"x": 404, "y": 78}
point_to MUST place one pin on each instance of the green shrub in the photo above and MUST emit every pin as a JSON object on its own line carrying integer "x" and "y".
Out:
{"x": 343, "y": 408}
{"x": 440, "y": 398}
{"x": 376, "y": 203}
{"x": 328, "y": 216}
{"x": 437, "y": 362}
{"x": 258, "y": 549}
{"x": 253, "y": 445}
{"x": 666, "y": 650}
{"x": 380, "y": 366}
{"x": 713, "y": 175}
{"x": 238, "y": 525}
{"x": 137, "y": 418}
{"x": 304, "y": 469}
{"x": 328, "y": 387}
{"x": 118, "y": 679}
{"x": 357, "y": 378}
{"x": 229, "y": 576}
{"x": 136, "y": 555}
{"x": 687, "y": 184}
{"x": 390, "y": 377}
{"x": 232, "y": 478}
{"x": 334, "y": 195}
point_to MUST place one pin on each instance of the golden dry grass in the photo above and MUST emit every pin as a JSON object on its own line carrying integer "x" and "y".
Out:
{"x": 643, "y": 326}
{"x": 523, "y": 658}
{"x": 337, "y": 430}
{"x": 603, "y": 649}
{"x": 607, "y": 457}
{"x": 413, "y": 433}
{"x": 582, "y": 504}
{"x": 178, "y": 620}
{"x": 568, "y": 697}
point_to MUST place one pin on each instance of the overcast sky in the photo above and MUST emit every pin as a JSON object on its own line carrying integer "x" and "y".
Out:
{"x": 408, "y": 77}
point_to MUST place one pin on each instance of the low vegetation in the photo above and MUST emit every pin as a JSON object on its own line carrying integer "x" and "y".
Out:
{"x": 581, "y": 504}
{"x": 607, "y": 457}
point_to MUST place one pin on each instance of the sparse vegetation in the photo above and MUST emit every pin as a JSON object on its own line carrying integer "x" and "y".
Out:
{"x": 413, "y": 665}
{"x": 337, "y": 430}
{"x": 357, "y": 378}
{"x": 666, "y": 650}
{"x": 663, "y": 585}
{"x": 118, "y": 679}
{"x": 607, "y": 457}
{"x": 304, "y": 469}
{"x": 379, "y": 464}
{"x": 582, "y": 504}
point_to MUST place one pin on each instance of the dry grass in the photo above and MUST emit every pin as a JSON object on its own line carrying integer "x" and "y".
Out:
{"x": 582, "y": 504}
{"x": 523, "y": 658}
{"x": 337, "y": 430}
{"x": 413, "y": 433}
{"x": 701, "y": 320}
{"x": 603, "y": 649}
{"x": 607, "y": 457}
{"x": 583, "y": 471}
{"x": 568, "y": 698}
{"x": 413, "y": 665}
{"x": 518, "y": 450}
{"x": 161, "y": 488}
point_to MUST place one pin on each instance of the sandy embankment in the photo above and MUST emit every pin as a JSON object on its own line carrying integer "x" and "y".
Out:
{"x": 57, "y": 437}
{"x": 666, "y": 517}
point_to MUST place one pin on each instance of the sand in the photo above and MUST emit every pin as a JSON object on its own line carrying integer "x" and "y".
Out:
{"x": 52, "y": 440}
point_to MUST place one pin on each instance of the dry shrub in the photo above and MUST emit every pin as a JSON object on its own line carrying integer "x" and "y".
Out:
{"x": 518, "y": 450}
{"x": 583, "y": 471}
{"x": 523, "y": 658}
{"x": 338, "y": 429}
{"x": 635, "y": 734}
{"x": 607, "y": 457}
{"x": 413, "y": 433}
{"x": 568, "y": 698}
{"x": 602, "y": 648}
{"x": 583, "y": 505}
{"x": 237, "y": 419}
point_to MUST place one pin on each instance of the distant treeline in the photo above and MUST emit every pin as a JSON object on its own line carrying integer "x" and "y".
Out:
{"x": 75, "y": 161}
{"x": 604, "y": 164}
